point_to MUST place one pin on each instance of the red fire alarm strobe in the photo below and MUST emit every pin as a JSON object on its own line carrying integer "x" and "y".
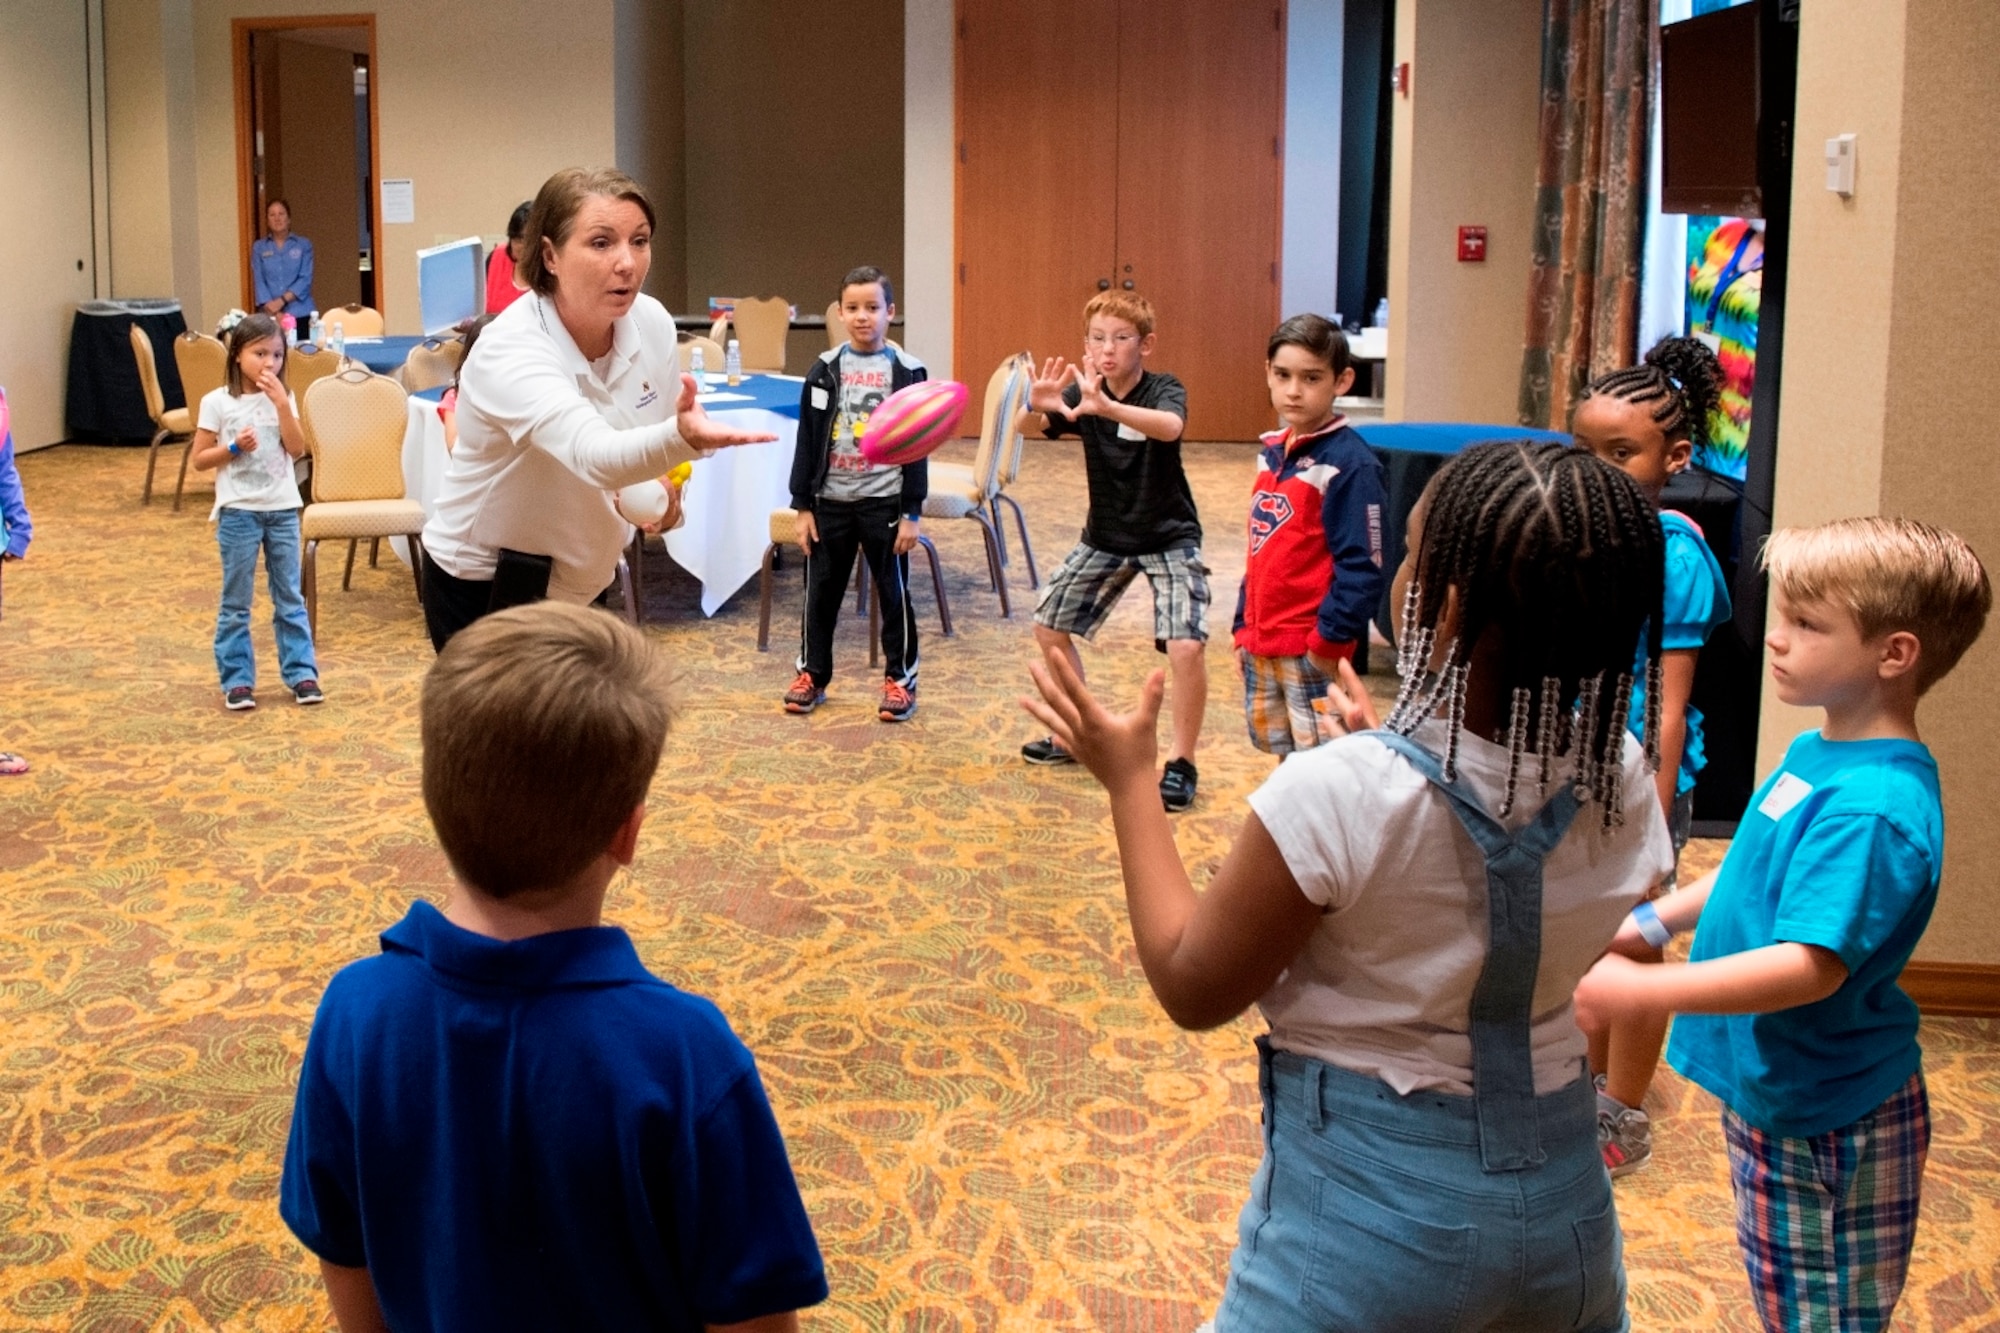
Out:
{"x": 1472, "y": 245}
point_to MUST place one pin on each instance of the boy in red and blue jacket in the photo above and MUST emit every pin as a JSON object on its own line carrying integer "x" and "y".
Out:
{"x": 1314, "y": 574}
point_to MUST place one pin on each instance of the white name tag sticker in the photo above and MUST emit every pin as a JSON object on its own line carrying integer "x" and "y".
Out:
{"x": 1788, "y": 792}
{"x": 1130, "y": 432}
{"x": 819, "y": 400}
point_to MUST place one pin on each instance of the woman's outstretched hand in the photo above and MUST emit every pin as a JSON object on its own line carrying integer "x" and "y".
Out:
{"x": 1117, "y": 748}
{"x": 699, "y": 431}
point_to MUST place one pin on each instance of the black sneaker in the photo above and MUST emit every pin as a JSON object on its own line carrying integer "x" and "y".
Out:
{"x": 898, "y": 704}
{"x": 1177, "y": 785}
{"x": 239, "y": 698}
{"x": 308, "y": 692}
{"x": 1046, "y": 751}
{"x": 804, "y": 696}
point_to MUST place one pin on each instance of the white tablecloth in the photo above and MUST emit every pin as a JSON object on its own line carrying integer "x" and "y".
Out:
{"x": 728, "y": 499}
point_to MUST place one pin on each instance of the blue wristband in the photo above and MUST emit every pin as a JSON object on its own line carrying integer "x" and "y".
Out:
{"x": 235, "y": 450}
{"x": 1655, "y": 931}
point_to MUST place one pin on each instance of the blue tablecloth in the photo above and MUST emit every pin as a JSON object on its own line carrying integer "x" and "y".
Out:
{"x": 1445, "y": 437}
{"x": 767, "y": 393}
{"x": 384, "y": 356}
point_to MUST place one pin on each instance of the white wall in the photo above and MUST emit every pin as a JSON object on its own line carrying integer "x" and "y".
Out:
{"x": 929, "y": 200}
{"x": 46, "y": 163}
{"x": 1311, "y": 257}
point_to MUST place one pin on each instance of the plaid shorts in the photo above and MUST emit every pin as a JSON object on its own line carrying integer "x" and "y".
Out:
{"x": 1081, "y": 593}
{"x": 1284, "y": 704}
{"x": 1827, "y": 1223}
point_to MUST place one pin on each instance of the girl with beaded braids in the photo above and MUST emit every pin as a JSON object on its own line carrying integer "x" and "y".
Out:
{"x": 1411, "y": 908}
{"x": 1646, "y": 421}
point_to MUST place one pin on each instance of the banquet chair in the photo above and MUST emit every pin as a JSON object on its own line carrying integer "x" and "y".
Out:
{"x": 177, "y": 423}
{"x": 354, "y": 423}
{"x": 784, "y": 533}
{"x": 957, "y": 491}
{"x": 354, "y": 319}
{"x": 1010, "y": 472}
{"x": 204, "y": 367}
{"x": 711, "y": 355}
{"x": 761, "y": 326}
{"x": 306, "y": 363}
{"x": 432, "y": 362}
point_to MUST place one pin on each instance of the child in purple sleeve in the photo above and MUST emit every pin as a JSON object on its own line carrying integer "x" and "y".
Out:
{"x": 15, "y": 530}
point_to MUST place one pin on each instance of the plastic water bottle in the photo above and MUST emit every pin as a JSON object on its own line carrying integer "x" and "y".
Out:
{"x": 1382, "y": 313}
{"x": 339, "y": 341}
{"x": 291, "y": 326}
{"x": 732, "y": 362}
{"x": 313, "y": 330}
{"x": 696, "y": 368}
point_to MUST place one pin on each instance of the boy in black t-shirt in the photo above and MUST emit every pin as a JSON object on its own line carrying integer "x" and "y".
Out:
{"x": 1142, "y": 516}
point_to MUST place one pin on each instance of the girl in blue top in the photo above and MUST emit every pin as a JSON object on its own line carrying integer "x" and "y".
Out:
{"x": 1645, "y": 421}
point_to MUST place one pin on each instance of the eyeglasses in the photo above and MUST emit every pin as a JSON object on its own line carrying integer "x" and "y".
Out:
{"x": 1112, "y": 340}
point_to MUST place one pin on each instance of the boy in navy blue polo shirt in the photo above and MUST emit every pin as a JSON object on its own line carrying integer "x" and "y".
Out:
{"x": 1791, "y": 1012}
{"x": 504, "y": 1121}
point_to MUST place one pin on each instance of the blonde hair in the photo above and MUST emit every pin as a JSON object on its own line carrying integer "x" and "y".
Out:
{"x": 1134, "y": 310}
{"x": 542, "y": 726}
{"x": 554, "y": 211}
{"x": 1889, "y": 574}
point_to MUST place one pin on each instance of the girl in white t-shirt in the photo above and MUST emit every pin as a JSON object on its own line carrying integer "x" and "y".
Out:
{"x": 249, "y": 431}
{"x": 1412, "y": 907}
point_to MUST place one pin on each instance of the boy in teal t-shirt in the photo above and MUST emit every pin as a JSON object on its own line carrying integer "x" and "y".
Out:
{"x": 1789, "y": 1003}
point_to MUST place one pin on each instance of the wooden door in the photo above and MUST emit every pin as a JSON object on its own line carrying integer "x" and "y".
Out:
{"x": 1037, "y": 95}
{"x": 1200, "y": 119}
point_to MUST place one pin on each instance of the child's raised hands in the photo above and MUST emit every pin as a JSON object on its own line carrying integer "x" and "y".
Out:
{"x": 273, "y": 388}
{"x": 1045, "y": 391}
{"x": 246, "y": 440}
{"x": 1118, "y": 748}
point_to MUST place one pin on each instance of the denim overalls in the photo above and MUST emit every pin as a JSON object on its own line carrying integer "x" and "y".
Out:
{"x": 1434, "y": 1212}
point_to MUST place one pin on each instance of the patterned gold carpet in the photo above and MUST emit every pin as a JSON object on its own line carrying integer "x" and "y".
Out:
{"x": 923, "y": 939}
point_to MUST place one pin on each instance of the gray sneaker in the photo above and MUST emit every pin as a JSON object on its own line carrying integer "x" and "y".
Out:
{"x": 1624, "y": 1136}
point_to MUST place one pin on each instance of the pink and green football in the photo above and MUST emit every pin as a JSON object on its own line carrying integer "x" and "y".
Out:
{"x": 912, "y": 422}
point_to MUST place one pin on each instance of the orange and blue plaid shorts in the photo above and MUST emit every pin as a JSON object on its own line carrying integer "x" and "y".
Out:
{"x": 1284, "y": 704}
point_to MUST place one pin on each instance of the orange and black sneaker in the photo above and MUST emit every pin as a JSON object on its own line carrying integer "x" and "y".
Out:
{"x": 804, "y": 696}
{"x": 898, "y": 702}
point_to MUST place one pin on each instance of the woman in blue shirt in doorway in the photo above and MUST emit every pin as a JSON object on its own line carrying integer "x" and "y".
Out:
{"x": 281, "y": 266}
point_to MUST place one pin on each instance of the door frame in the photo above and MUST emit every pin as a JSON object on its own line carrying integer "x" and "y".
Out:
{"x": 249, "y": 228}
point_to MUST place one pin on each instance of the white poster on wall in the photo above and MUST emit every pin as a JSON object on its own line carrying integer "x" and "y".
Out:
{"x": 399, "y": 201}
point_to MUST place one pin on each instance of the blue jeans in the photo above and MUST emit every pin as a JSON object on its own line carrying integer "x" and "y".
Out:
{"x": 1372, "y": 1211}
{"x": 239, "y": 533}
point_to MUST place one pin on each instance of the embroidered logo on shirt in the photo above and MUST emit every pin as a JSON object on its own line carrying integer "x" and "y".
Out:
{"x": 1787, "y": 792}
{"x": 1269, "y": 511}
{"x": 650, "y": 395}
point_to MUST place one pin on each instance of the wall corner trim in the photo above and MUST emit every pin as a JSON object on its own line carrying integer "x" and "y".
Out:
{"x": 1966, "y": 990}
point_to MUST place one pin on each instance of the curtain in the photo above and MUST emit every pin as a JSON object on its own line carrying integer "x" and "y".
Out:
{"x": 1590, "y": 201}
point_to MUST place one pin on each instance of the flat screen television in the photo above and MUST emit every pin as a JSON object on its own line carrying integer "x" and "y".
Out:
{"x": 1712, "y": 153}
{"x": 451, "y": 284}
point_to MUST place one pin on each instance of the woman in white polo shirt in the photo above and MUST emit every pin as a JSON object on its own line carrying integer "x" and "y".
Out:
{"x": 571, "y": 392}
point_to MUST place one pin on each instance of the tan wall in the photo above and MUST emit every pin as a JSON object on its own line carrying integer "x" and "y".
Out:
{"x": 313, "y": 163}
{"x": 44, "y": 156}
{"x": 477, "y": 103}
{"x": 794, "y": 149}
{"x": 652, "y": 131}
{"x": 1890, "y": 345}
{"x": 142, "y": 238}
{"x": 1463, "y": 152}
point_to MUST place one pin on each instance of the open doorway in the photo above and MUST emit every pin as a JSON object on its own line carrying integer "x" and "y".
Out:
{"x": 306, "y": 133}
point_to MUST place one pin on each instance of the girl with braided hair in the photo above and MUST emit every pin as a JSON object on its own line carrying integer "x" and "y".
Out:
{"x": 1411, "y": 907}
{"x": 1646, "y": 421}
